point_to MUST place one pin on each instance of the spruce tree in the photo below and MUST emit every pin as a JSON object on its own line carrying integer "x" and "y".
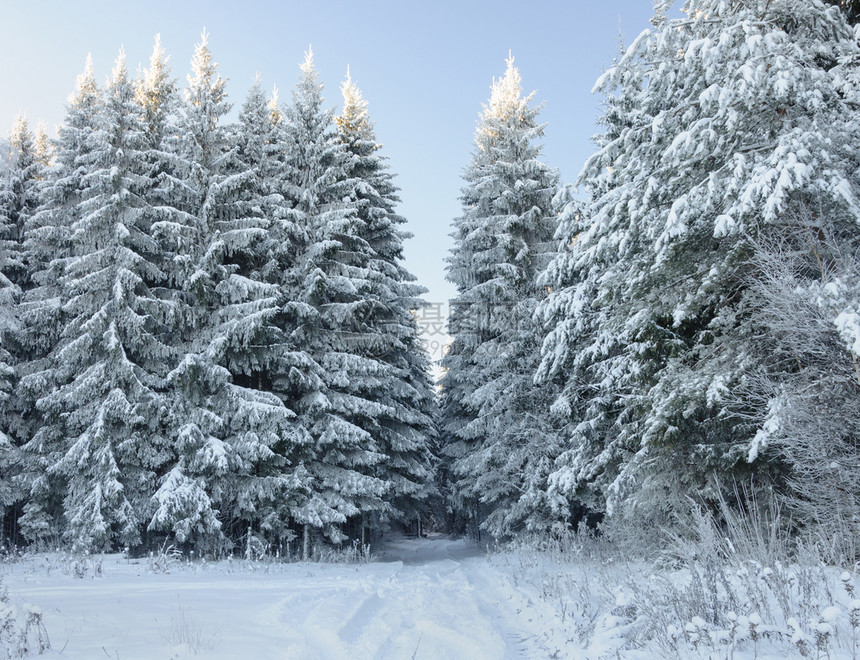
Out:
{"x": 718, "y": 126}
{"x": 497, "y": 430}
{"x": 170, "y": 499}
{"x": 324, "y": 373}
{"x": 169, "y": 195}
{"x": 22, "y": 194}
{"x": 186, "y": 502}
{"x": 230, "y": 233}
{"x": 47, "y": 248}
{"x": 19, "y": 200}
{"x": 257, "y": 233}
{"x": 111, "y": 362}
{"x": 204, "y": 145}
{"x": 387, "y": 332}
{"x": 10, "y": 258}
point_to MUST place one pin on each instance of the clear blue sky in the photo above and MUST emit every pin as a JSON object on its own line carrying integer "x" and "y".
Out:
{"x": 424, "y": 67}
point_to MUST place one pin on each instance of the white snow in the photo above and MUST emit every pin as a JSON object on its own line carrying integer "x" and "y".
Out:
{"x": 848, "y": 324}
{"x": 436, "y": 598}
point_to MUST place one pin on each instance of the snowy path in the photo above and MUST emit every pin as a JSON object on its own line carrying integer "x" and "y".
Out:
{"x": 427, "y": 605}
{"x": 434, "y": 598}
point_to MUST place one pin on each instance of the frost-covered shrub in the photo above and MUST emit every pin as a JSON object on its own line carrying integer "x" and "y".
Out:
{"x": 353, "y": 553}
{"x": 854, "y": 619}
{"x": 805, "y": 396}
{"x": 164, "y": 559}
{"x": 723, "y": 590}
{"x": 186, "y": 630}
{"x": 23, "y": 633}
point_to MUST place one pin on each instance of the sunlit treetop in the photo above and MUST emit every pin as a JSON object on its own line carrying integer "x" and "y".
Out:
{"x": 44, "y": 147}
{"x": 155, "y": 84}
{"x": 120, "y": 70}
{"x": 276, "y": 115}
{"x": 307, "y": 66}
{"x": 20, "y": 133}
{"x": 204, "y": 75}
{"x": 507, "y": 105}
{"x": 354, "y": 121}
{"x": 86, "y": 86}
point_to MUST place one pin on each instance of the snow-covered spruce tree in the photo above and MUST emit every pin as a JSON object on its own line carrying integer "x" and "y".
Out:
{"x": 386, "y": 331}
{"x": 19, "y": 200}
{"x": 10, "y": 293}
{"x": 46, "y": 251}
{"x": 10, "y": 260}
{"x": 325, "y": 373}
{"x": 111, "y": 361}
{"x": 174, "y": 502}
{"x": 8, "y": 453}
{"x": 22, "y": 198}
{"x": 204, "y": 147}
{"x": 257, "y": 232}
{"x": 169, "y": 198}
{"x": 157, "y": 95}
{"x": 718, "y": 125}
{"x": 497, "y": 430}
{"x": 194, "y": 148}
{"x": 230, "y": 236}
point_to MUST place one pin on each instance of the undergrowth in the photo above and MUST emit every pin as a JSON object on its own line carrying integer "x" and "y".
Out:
{"x": 186, "y": 631}
{"x": 23, "y": 633}
{"x": 737, "y": 587}
{"x": 169, "y": 558}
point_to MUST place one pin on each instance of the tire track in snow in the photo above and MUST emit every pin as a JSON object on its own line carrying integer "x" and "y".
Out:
{"x": 427, "y": 599}
{"x": 428, "y": 608}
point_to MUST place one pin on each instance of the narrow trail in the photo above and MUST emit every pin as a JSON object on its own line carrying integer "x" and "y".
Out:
{"x": 436, "y": 602}
{"x": 424, "y": 599}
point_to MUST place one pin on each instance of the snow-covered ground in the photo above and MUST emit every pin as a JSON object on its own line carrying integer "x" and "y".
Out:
{"x": 432, "y": 598}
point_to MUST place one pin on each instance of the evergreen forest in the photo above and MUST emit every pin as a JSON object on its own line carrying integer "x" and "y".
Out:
{"x": 208, "y": 332}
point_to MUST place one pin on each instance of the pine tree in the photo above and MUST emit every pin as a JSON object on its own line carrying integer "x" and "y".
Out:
{"x": 496, "y": 423}
{"x": 387, "y": 332}
{"x": 718, "y": 126}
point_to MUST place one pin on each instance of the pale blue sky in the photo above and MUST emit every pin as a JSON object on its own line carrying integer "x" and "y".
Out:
{"x": 424, "y": 67}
